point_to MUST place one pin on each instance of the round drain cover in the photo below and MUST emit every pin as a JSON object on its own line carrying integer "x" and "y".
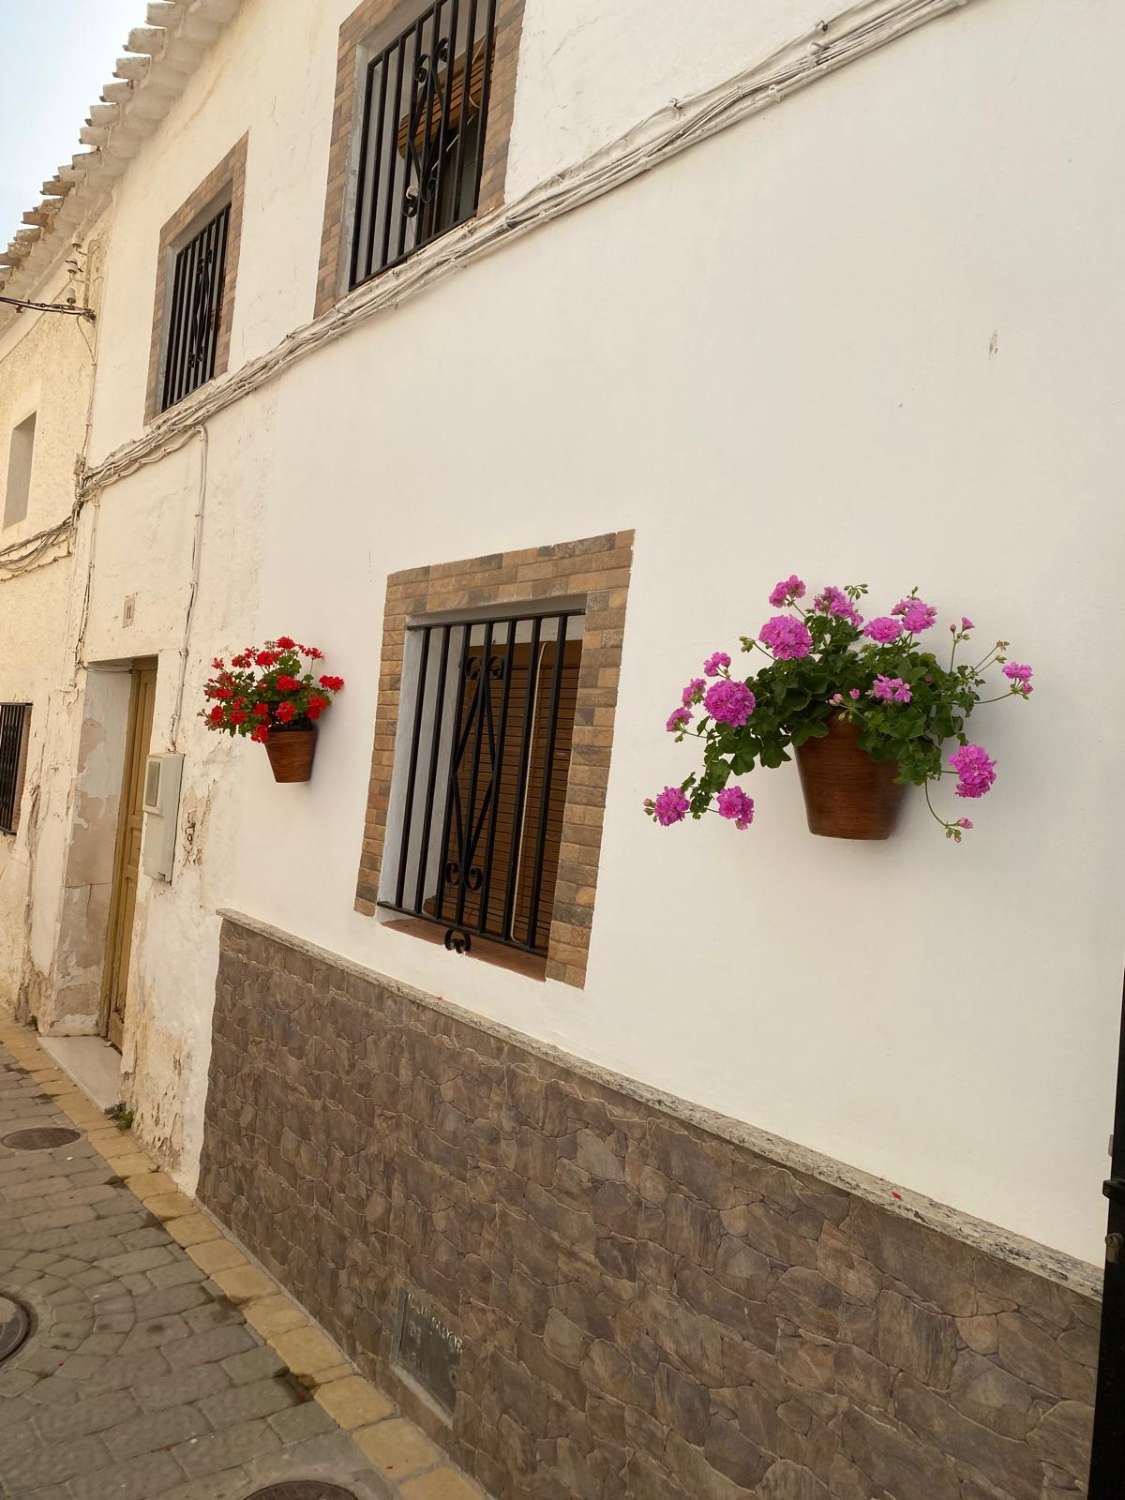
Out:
{"x": 14, "y": 1326}
{"x": 302, "y": 1489}
{"x": 39, "y": 1138}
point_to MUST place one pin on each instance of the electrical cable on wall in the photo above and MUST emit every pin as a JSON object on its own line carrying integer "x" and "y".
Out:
{"x": 830, "y": 45}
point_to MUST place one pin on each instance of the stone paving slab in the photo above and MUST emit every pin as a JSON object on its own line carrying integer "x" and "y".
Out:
{"x": 162, "y": 1364}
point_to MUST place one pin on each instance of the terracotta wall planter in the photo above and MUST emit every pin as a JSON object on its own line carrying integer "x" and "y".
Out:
{"x": 847, "y": 794}
{"x": 291, "y": 753}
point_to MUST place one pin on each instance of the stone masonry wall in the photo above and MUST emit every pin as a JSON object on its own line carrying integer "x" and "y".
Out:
{"x": 650, "y": 1308}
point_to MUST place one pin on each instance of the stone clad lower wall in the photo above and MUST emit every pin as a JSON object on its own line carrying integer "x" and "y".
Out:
{"x": 649, "y": 1308}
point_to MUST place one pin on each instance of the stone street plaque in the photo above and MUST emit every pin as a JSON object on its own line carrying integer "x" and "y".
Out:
{"x": 39, "y": 1138}
{"x": 427, "y": 1349}
{"x": 303, "y": 1489}
{"x": 14, "y": 1326}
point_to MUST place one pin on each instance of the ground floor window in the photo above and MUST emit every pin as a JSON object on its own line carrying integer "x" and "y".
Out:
{"x": 497, "y": 696}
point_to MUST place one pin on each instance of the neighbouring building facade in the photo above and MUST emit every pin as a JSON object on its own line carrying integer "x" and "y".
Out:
{"x": 508, "y": 351}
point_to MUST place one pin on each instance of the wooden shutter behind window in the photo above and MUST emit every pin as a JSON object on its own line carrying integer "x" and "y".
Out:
{"x": 539, "y": 776}
{"x": 456, "y": 101}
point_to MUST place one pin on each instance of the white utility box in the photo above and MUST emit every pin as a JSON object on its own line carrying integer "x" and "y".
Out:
{"x": 163, "y": 775}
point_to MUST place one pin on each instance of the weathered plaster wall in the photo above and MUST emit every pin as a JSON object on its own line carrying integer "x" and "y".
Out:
{"x": 146, "y": 538}
{"x": 45, "y": 367}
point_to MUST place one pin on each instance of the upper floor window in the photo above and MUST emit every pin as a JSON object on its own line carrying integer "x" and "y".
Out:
{"x": 195, "y": 314}
{"x": 21, "y": 455}
{"x": 15, "y": 719}
{"x": 422, "y": 133}
{"x": 196, "y": 277}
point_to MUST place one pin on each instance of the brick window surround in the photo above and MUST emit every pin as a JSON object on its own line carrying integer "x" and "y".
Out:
{"x": 596, "y": 569}
{"x": 228, "y": 179}
{"x": 368, "y": 17}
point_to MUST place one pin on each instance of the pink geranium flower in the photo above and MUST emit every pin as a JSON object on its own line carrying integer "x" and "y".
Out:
{"x": 670, "y": 807}
{"x": 678, "y": 719}
{"x": 976, "y": 770}
{"x": 733, "y": 803}
{"x": 729, "y": 702}
{"x": 787, "y": 638}
{"x": 715, "y": 663}
{"x": 787, "y": 590}
{"x": 891, "y": 690}
{"x": 884, "y": 629}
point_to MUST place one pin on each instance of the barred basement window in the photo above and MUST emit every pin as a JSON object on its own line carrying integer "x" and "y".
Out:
{"x": 15, "y": 720}
{"x": 196, "y": 312}
{"x": 481, "y": 766}
{"x": 421, "y": 144}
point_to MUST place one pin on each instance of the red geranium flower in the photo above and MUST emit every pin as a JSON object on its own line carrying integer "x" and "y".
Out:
{"x": 238, "y": 716}
{"x": 288, "y": 684}
{"x": 260, "y": 734}
{"x": 286, "y": 642}
{"x": 313, "y": 652}
{"x": 261, "y": 710}
{"x": 286, "y": 711}
{"x": 216, "y": 714}
{"x": 333, "y": 684}
{"x": 218, "y": 664}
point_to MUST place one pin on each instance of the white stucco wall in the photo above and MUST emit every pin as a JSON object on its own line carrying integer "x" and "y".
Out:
{"x": 868, "y": 335}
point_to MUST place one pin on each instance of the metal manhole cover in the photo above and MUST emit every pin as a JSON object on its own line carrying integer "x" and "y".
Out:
{"x": 39, "y": 1138}
{"x": 14, "y": 1326}
{"x": 302, "y": 1489}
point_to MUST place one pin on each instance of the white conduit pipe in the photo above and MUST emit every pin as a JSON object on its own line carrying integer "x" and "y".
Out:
{"x": 852, "y": 34}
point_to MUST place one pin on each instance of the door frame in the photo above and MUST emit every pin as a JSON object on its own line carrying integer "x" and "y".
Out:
{"x": 1107, "y": 1458}
{"x": 132, "y": 770}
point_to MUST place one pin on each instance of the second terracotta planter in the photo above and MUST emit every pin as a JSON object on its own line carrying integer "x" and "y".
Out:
{"x": 847, "y": 794}
{"x": 291, "y": 753}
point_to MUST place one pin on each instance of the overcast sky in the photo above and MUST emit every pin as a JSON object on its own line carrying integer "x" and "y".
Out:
{"x": 57, "y": 54}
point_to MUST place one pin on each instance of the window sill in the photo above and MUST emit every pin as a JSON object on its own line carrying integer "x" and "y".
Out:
{"x": 530, "y": 965}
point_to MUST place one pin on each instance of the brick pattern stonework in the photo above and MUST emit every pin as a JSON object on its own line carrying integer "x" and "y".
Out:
{"x": 650, "y": 1309}
{"x": 597, "y": 569}
{"x": 228, "y": 176}
{"x": 365, "y": 19}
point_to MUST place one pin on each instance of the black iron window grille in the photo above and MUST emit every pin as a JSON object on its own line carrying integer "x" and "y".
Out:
{"x": 475, "y": 823}
{"x": 421, "y": 145}
{"x": 192, "y": 342}
{"x": 14, "y": 721}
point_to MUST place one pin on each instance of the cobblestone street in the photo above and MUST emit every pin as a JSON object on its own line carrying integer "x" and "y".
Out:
{"x": 160, "y": 1364}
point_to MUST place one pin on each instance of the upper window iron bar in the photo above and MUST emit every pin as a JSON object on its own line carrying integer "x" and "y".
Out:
{"x": 196, "y": 312}
{"x": 482, "y": 788}
{"x": 421, "y": 146}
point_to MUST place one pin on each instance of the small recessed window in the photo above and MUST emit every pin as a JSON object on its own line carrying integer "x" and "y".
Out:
{"x": 192, "y": 341}
{"x": 421, "y": 146}
{"x": 21, "y": 453}
{"x": 15, "y": 720}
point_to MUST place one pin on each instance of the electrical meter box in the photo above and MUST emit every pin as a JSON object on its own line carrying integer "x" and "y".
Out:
{"x": 163, "y": 775}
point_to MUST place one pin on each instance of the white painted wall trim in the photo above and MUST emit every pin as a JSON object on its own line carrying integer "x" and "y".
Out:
{"x": 831, "y": 45}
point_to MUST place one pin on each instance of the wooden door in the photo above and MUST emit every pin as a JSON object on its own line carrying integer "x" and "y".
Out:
{"x": 127, "y": 855}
